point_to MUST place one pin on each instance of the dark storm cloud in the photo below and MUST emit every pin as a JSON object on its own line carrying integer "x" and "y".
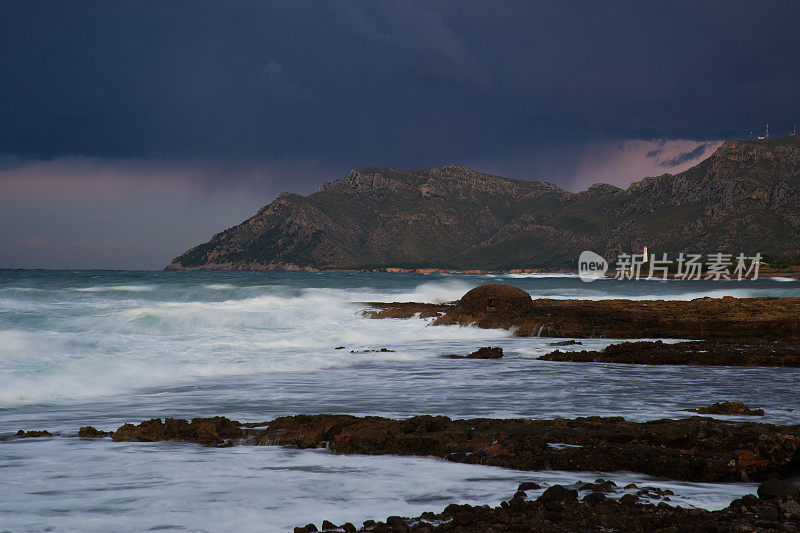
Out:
{"x": 130, "y": 130}
{"x": 656, "y": 151}
{"x": 402, "y": 83}
{"x": 682, "y": 158}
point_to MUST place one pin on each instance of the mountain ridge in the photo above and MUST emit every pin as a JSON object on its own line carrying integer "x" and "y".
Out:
{"x": 744, "y": 198}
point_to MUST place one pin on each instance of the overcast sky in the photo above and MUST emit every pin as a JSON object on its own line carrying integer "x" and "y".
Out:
{"x": 130, "y": 131}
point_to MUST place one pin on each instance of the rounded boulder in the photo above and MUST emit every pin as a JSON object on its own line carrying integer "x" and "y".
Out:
{"x": 496, "y": 298}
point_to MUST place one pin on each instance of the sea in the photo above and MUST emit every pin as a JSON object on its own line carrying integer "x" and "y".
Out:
{"x": 103, "y": 348}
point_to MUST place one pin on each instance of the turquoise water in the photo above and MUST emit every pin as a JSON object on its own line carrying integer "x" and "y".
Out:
{"x": 103, "y": 348}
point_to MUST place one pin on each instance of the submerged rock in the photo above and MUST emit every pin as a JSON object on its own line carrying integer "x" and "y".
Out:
{"x": 727, "y": 352}
{"x": 33, "y": 434}
{"x": 728, "y": 408}
{"x": 487, "y": 352}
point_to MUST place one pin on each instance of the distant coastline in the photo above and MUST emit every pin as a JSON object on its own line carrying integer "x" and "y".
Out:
{"x": 763, "y": 273}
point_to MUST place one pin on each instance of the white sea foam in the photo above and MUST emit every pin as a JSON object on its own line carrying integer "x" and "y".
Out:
{"x": 588, "y": 294}
{"x": 540, "y": 275}
{"x": 114, "y": 288}
{"x": 109, "y": 351}
{"x": 440, "y": 291}
{"x": 219, "y": 286}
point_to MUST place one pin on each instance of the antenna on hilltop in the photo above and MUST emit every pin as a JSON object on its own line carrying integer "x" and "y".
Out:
{"x": 766, "y": 134}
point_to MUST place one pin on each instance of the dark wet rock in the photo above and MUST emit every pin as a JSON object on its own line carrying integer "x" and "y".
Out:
{"x": 559, "y": 511}
{"x": 33, "y": 434}
{"x": 487, "y": 352}
{"x": 308, "y": 528}
{"x": 778, "y": 488}
{"x": 702, "y": 318}
{"x": 529, "y": 485}
{"x": 382, "y": 350}
{"x": 790, "y": 509}
{"x": 601, "y": 485}
{"x": 728, "y": 408}
{"x": 558, "y": 493}
{"x": 728, "y": 352}
{"x": 90, "y": 432}
{"x": 339, "y": 348}
{"x": 395, "y": 520}
{"x": 327, "y": 526}
{"x": 655, "y": 493}
{"x": 565, "y": 343}
{"x": 209, "y": 431}
{"x": 695, "y": 449}
{"x": 594, "y": 498}
{"x": 348, "y": 527}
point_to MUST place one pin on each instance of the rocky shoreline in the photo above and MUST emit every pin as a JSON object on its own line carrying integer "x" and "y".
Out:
{"x": 724, "y": 331}
{"x": 702, "y": 318}
{"x": 694, "y": 449}
{"x": 691, "y": 449}
{"x": 559, "y": 509}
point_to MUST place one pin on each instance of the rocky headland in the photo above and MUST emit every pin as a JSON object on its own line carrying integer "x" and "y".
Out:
{"x": 455, "y": 218}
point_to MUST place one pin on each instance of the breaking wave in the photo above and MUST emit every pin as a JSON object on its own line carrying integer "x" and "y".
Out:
{"x": 65, "y": 337}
